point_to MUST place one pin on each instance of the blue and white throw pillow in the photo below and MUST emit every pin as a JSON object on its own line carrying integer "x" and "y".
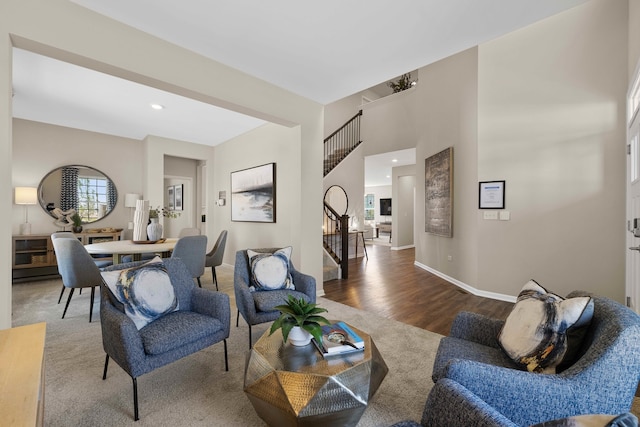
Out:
{"x": 145, "y": 291}
{"x": 535, "y": 332}
{"x": 270, "y": 271}
{"x": 596, "y": 420}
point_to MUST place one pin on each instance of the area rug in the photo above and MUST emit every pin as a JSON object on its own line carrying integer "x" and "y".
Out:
{"x": 197, "y": 391}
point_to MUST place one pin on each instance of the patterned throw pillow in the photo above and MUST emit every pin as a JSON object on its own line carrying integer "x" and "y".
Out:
{"x": 598, "y": 420}
{"x": 145, "y": 291}
{"x": 270, "y": 271}
{"x": 535, "y": 332}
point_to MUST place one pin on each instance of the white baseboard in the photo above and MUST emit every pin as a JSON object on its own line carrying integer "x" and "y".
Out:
{"x": 400, "y": 248}
{"x": 470, "y": 289}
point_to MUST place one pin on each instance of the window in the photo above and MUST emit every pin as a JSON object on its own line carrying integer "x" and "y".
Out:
{"x": 634, "y": 98}
{"x": 92, "y": 198}
{"x": 633, "y": 157}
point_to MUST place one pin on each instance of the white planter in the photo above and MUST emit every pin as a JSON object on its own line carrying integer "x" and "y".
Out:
{"x": 299, "y": 337}
{"x": 154, "y": 230}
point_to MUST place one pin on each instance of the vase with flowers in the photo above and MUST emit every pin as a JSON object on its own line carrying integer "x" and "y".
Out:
{"x": 154, "y": 229}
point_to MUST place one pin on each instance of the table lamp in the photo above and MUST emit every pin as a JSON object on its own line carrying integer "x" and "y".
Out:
{"x": 130, "y": 200}
{"x": 26, "y": 196}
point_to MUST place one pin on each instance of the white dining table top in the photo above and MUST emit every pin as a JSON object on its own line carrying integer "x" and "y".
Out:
{"x": 128, "y": 247}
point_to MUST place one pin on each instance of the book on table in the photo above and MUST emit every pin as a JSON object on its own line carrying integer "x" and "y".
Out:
{"x": 339, "y": 338}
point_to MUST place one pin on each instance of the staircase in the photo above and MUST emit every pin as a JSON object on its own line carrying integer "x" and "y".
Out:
{"x": 337, "y": 147}
{"x": 340, "y": 143}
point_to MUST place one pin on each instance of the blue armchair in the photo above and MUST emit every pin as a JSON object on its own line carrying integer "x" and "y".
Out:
{"x": 258, "y": 307}
{"x": 604, "y": 379}
{"x": 201, "y": 320}
{"x": 452, "y": 404}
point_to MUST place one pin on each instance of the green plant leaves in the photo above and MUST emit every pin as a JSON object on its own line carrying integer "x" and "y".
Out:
{"x": 298, "y": 312}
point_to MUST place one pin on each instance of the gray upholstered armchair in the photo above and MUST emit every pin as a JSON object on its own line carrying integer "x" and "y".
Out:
{"x": 475, "y": 378}
{"x": 201, "y": 320}
{"x": 258, "y": 307}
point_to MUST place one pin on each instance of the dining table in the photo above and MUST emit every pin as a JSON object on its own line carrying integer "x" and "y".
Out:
{"x": 120, "y": 248}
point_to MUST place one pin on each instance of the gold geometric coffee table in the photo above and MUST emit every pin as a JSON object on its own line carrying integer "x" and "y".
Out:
{"x": 295, "y": 386}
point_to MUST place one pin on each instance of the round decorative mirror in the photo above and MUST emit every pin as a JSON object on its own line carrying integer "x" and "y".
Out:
{"x": 336, "y": 197}
{"x": 88, "y": 191}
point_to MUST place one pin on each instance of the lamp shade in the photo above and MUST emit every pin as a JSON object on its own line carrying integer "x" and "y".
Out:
{"x": 26, "y": 195}
{"x": 130, "y": 200}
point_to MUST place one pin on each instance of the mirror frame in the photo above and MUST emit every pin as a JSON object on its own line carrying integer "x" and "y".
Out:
{"x": 43, "y": 203}
{"x": 346, "y": 199}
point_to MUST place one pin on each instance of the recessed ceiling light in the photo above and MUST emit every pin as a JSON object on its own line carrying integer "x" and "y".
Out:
{"x": 388, "y": 176}
{"x": 157, "y": 106}
{"x": 395, "y": 160}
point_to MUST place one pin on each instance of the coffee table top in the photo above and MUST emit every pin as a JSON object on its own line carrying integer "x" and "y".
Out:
{"x": 283, "y": 356}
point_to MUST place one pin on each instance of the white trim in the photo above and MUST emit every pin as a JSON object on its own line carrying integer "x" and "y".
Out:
{"x": 471, "y": 289}
{"x": 400, "y": 248}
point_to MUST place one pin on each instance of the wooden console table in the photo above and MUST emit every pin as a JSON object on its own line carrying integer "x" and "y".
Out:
{"x": 33, "y": 257}
{"x": 22, "y": 375}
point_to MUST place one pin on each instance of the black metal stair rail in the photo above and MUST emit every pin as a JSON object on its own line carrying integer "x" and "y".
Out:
{"x": 340, "y": 143}
{"x": 336, "y": 238}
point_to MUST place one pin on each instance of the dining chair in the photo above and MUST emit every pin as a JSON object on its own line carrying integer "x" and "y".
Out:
{"x": 192, "y": 250}
{"x": 70, "y": 235}
{"x": 189, "y": 231}
{"x": 62, "y": 235}
{"x": 214, "y": 258}
{"x": 127, "y": 234}
{"x": 77, "y": 268}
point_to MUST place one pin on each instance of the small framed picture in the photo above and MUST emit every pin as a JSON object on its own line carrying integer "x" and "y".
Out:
{"x": 491, "y": 195}
{"x": 171, "y": 201}
{"x": 177, "y": 192}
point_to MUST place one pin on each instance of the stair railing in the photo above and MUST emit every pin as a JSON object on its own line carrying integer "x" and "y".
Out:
{"x": 336, "y": 238}
{"x": 340, "y": 143}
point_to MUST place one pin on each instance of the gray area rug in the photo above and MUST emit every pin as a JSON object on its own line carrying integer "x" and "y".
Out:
{"x": 197, "y": 391}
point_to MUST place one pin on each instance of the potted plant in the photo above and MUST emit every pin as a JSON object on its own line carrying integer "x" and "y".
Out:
{"x": 403, "y": 83}
{"x": 76, "y": 219}
{"x": 154, "y": 229}
{"x": 299, "y": 317}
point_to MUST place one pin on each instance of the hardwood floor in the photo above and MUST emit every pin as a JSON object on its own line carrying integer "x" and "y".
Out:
{"x": 390, "y": 285}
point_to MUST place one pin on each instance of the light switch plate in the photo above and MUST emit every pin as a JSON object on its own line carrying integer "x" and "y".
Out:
{"x": 505, "y": 215}
{"x": 490, "y": 215}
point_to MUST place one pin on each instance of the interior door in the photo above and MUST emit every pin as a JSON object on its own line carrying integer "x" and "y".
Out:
{"x": 633, "y": 196}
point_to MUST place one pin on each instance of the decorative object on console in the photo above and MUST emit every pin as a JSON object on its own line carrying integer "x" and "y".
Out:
{"x": 438, "y": 182}
{"x": 297, "y": 312}
{"x": 130, "y": 200}
{"x": 26, "y": 196}
{"x": 77, "y": 223}
{"x": 63, "y": 218}
{"x": 140, "y": 220}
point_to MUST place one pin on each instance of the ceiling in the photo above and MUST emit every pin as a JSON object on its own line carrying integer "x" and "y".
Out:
{"x": 323, "y": 51}
{"x": 377, "y": 168}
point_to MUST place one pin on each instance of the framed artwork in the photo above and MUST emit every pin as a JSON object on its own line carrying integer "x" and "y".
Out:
{"x": 253, "y": 194}
{"x": 368, "y": 201}
{"x": 171, "y": 200}
{"x": 177, "y": 193}
{"x": 491, "y": 195}
{"x": 438, "y": 180}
